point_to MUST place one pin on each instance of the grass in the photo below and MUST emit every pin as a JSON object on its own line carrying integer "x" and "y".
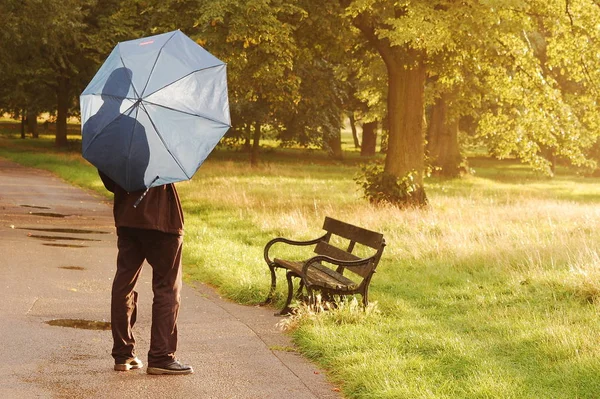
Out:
{"x": 491, "y": 292}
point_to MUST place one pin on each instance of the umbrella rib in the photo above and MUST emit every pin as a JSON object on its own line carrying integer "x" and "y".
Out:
{"x": 187, "y": 113}
{"x": 131, "y": 79}
{"x": 155, "y": 62}
{"x": 183, "y": 77}
{"x": 164, "y": 142}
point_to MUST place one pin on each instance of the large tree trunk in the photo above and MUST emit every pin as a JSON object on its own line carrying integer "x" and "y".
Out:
{"x": 62, "y": 95}
{"x": 369, "y": 139}
{"x": 406, "y": 101}
{"x": 442, "y": 135}
{"x": 406, "y": 88}
{"x": 255, "y": 145}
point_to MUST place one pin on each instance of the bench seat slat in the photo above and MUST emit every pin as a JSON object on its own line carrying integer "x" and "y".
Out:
{"x": 321, "y": 275}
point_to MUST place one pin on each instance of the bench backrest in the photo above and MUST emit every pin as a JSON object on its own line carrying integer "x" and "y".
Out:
{"x": 356, "y": 235}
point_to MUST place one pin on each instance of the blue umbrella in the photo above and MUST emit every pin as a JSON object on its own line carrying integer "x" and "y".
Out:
{"x": 154, "y": 111}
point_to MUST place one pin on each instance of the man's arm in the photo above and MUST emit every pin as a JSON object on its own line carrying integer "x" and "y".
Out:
{"x": 108, "y": 182}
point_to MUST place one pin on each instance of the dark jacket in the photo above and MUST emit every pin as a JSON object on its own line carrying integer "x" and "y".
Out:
{"x": 159, "y": 210}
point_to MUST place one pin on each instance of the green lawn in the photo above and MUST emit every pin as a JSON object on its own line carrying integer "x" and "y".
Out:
{"x": 491, "y": 292}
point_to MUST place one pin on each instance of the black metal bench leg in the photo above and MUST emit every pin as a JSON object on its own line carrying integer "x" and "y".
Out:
{"x": 273, "y": 286}
{"x": 286, "y": 308}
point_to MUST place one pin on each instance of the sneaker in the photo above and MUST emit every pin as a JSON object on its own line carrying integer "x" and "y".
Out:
{"x": 171, "y": 368}
{"x": 129, "y": 364}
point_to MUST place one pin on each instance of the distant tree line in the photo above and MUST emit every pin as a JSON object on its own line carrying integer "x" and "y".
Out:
{"x": 519, "y": 78}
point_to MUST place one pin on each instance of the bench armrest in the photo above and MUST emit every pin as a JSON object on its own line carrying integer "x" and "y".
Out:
{"x": 338, "y": 262}
{"x": 289, "y": 242}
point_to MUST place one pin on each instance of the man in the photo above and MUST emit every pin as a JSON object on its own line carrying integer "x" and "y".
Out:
{"x": 152, "y": 231}
{"x": 148, "y": 228}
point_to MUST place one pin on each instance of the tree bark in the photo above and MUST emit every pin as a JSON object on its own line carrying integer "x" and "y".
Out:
{"x": 442, "y": 135}
{"x": 32, "y": 126}
{"x": 22, "y": 123}
{"x": 385, "y": 132}
{"x": 62, "y": 95}
{"x": 369, "y": 141}
{"x": 334, "y": 142}
{"x": 354, "y": 132}
{"x": 255, "y": 145}
{"x": 248, "y": 137}
{"x": 406, "y": 101}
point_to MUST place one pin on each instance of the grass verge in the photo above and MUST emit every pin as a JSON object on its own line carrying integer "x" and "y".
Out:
{"x": 492, "y": 292}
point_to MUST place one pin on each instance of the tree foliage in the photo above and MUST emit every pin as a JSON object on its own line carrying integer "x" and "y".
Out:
{"x": 256, "y": 39}
{"x": 54, "y": 47}
{"x": 543, "y": 105}
{"x": 524, "y": 73}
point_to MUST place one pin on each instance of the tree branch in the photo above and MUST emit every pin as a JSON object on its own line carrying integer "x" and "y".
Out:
{"x": 568, "y": 12}
{"x": 586, "y": 71}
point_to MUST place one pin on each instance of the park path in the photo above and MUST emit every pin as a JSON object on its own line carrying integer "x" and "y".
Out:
{"x": 57, "y": 255}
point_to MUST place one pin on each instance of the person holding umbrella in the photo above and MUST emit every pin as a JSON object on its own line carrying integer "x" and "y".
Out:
{"x": 150, "y": 116}
{"x": 152, "y": 231}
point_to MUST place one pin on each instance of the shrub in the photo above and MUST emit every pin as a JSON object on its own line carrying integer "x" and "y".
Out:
{"x": 380, "y": 187}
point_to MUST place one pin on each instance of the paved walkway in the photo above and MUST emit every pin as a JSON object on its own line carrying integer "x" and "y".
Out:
{"x": 57, "y": 256}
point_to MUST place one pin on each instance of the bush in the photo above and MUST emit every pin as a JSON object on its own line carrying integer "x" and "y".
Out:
{"x": 380, "y": 187}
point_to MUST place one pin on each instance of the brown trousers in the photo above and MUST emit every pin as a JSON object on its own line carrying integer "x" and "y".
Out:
{"x": 163, "y": 253}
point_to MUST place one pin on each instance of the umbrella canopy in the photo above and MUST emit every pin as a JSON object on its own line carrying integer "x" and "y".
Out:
{"x": 154, "y": 111}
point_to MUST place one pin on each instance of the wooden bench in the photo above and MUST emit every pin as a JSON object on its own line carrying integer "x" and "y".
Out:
{"x": 325, "y": 271}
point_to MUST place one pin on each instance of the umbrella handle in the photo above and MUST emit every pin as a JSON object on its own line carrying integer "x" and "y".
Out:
{"x": 144, "y": 194}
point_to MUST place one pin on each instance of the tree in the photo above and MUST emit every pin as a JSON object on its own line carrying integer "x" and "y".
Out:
{"x": 369, "y": 142}
{"x": 22, "y": 92}
{"x": 533, "y": 99}
{"x": 316, "y": 118}
{"x": 542, "y": 106}
{"x": 256, "y": 39}
{"x": 379, "y": 22}
{"x": 364, "y": 75}
{"x": 50, "y": 34}
{"x": 442, "y": 137}
{"x": 55, "y": 48}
